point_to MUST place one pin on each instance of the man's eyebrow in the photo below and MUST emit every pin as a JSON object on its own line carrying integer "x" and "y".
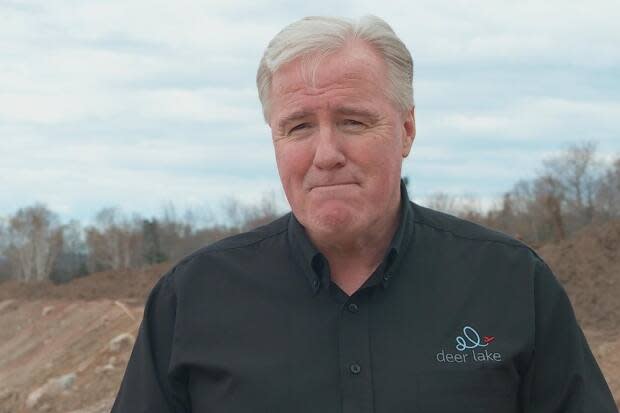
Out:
{"x": 361, "y": 112}
{"x": 343, "y": 111}
{"x": 291, "y": 117}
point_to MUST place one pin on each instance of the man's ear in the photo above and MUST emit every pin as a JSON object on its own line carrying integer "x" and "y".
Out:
{"x": 408, "y": 131}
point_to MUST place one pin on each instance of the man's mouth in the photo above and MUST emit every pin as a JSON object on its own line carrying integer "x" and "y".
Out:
{"x": 333, "y": 185}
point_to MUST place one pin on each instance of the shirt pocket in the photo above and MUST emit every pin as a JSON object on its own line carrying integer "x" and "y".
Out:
{"x": 467, "y": 391}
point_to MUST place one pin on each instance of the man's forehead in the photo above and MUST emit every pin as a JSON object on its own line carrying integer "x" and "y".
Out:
{"x": 314, "y": 85}
{"x": 352, "y": 67}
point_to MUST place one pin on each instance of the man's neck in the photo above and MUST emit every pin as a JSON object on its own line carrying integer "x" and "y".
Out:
{"x": 353, "y": 259}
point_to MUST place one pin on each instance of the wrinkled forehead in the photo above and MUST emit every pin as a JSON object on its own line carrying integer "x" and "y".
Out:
{"x": 356, "y": 65}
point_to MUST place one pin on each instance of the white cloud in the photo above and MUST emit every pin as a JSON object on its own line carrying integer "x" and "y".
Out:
{"x": 464, "y": 31}
{"x": 139, "y": 190}
{"x": 134, "y": 102}
{"x": 558, "y": 120}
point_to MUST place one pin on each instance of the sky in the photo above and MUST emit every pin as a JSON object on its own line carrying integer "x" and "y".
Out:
{"x": 138, "y": 103}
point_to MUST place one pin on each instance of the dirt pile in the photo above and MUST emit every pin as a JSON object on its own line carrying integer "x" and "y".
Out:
{"x": 129, "y": 285}
{"x": 64, "y": 348}
{"x": 61, "y": 355}
{"x": 588, "y": 264}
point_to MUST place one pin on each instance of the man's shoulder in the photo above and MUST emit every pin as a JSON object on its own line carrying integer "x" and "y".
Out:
{"x": 445, "y": 225}
{"x": 242, "y": 240}
{"x": 229, "y": 250}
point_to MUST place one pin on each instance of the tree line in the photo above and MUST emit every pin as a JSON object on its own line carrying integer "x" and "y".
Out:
{"x": 570, "y": 191}
{"x": 35, "y": 245}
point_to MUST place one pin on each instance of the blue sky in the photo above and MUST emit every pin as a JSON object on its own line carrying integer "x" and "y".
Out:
{"x": 135, "y": 103}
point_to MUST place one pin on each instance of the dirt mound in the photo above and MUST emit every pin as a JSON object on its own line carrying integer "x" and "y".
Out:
{"x": 61, "y": 356}
{"x": 588, "y": 265}
{"x": 81, "y": 330}
{"x": 133, "y": 285}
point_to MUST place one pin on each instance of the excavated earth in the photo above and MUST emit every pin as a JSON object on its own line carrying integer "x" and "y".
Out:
{"x": 81, "y": 331}
{"x": 64, "y": 348}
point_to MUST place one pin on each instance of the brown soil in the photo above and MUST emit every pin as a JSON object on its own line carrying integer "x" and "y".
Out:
{"x": 49, "y": 330}
{"x": 73, "y": 337}
{"x": 132, "y": 285}
{"x": 588, "y": 264}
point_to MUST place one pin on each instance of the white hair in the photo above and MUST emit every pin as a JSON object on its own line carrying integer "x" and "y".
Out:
{"x": 319, "y": 36}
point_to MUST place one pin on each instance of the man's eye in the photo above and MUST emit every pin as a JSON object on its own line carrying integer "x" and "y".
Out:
{"x": 352, "y": 123}
{"x": 299, "y": 127}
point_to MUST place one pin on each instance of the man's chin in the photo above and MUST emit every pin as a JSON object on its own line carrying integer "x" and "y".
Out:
{"x": 333, "y": 223}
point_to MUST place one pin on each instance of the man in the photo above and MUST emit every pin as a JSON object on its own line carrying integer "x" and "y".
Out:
{"x": 359, "y": 300}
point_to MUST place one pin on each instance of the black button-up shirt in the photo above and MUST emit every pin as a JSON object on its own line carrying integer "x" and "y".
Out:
{"x": 457, "y": 318}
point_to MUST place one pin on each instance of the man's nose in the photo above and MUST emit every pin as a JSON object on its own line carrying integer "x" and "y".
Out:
{"x": 328, "y": 153}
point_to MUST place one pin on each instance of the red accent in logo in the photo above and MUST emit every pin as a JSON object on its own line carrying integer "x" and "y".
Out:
{"x": 488, "y": 339}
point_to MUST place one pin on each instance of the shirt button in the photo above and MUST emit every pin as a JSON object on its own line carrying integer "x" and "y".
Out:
{"x": 353, "y": 308}
{"x": 355, "y": 368}
{"x": 316, "y": 283}
{"x": 386, "y": 277}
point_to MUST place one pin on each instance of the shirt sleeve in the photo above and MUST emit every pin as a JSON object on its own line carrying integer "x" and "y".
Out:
{"x": 563, "y": 376}
{"x": 149, "y": 384}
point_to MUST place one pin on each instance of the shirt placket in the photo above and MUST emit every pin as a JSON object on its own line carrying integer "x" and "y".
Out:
{"x": 355, "y": 371}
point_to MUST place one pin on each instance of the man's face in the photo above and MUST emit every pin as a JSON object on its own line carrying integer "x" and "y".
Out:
{"x": 339, "y": 142}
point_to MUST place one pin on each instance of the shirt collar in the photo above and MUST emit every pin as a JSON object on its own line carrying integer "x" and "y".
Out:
{"x": 311, "y": 261}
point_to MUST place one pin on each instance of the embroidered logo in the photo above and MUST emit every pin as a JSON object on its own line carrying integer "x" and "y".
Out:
{"x": 470, "y": 340}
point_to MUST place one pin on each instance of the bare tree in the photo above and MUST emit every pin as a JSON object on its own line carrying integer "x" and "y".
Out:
{"x": 243, "y": 216}
{"x": 35, "y": 238}
{"x": 442, "y": 201}
{"x": 608, "y": 194}
{"x": 503, "y": 217}
{"x": 3, "y": 235}
{"x": 262, "y": 213}
{"x": 151, "y": 245}
{"x": 72, "y": 260}
{"x": 469, "y": 207}
{"x": 466, "y": 206}
{"x": 175, "y": 233}
{"x": 114, "y": 242}
{"x": 527, "y": 215}
{"x": 5, "y": 268}
{"x": 550, "y": 195}
{"x": 558, "y": 201}
{"x": 576, "y": 172}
